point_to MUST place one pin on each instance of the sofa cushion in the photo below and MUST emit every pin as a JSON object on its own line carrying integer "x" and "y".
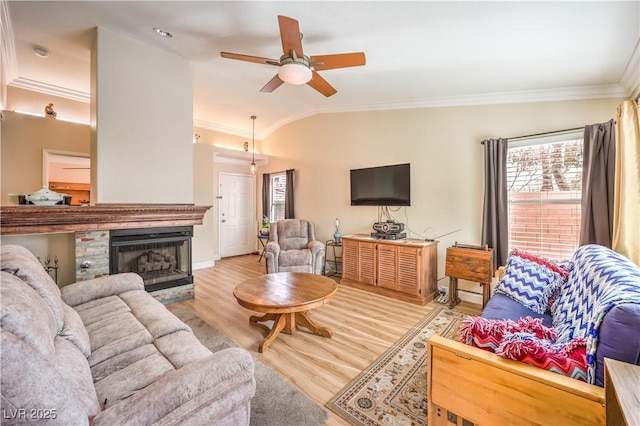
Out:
{"x": 110, "y": 365}
{"x": 125, "y": 382}
{"x": 152, "y": 314}
{"x": 294, "y": 258}
{"x": 73, "y": 330}
{"x": 20, "y": 262}
{"x": 529, "y": 283}
{"x": 101, "y": 309}
{"x": 527, "y": 340}
{"x": 569, "y": 359}
{"x": 40, "y": 370}
{"x": 173, "y": 346}
{"x": 119, "y": 335}
{"x": 500, "y": 307}
{"x": 618, "y": 332}
{"x": 601, "y": 280}
{"x": 31, "y": 381}
{"x": 72, "y": 365}
{"x": 26, "y": 315}
{"x": 293, "y": 234}
{"x": 489, "y": 334}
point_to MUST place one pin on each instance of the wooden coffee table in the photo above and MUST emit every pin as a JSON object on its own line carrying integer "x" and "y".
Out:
{"x": 286, "y": 298}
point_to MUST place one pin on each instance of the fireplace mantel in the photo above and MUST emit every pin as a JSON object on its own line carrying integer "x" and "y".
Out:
{"x": 30, "y": 219}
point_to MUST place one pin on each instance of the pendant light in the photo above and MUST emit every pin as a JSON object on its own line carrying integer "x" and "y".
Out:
{"x": 253, "y": 146}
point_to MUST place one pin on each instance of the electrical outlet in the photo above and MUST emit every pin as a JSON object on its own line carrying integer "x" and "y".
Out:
{"x": 441, "y": 296}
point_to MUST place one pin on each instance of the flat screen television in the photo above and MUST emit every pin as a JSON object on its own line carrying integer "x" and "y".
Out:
{"x": 381, "y": 186}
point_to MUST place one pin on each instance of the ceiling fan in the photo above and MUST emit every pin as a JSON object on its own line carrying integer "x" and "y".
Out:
{"x": 295, "y": 66}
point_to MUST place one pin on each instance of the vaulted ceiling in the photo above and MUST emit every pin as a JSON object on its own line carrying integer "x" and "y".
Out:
{"x": 418, "y": 53}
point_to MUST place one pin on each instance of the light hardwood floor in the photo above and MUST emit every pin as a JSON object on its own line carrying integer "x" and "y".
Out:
{"x": 364, "y": 325}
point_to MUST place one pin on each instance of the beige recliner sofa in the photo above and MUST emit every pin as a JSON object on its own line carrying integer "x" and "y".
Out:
{"x": 292, "y": 247}
{"x": 104, "y": 352}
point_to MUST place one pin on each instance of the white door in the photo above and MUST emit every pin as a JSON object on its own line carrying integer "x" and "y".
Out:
{"x": 237, "y": 214}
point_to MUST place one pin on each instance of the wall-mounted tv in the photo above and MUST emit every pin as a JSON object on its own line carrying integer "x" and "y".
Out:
{"x": 381, "y": 186}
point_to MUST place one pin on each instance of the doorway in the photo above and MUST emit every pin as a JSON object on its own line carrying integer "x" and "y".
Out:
{"x": 237, "y": 214}
{"x": 68, "y": 173}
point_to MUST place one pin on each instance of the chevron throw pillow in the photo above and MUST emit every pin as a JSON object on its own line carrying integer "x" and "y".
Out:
{"x": 529, "y": 283}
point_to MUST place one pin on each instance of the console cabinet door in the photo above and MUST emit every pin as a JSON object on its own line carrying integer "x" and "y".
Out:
{"x": 349, "y": 259}
{"x": 358, "y": 261}
{"x": 387, "y": 255}
{"x": 410, "y": 270}
{"x": 366, "y": 264}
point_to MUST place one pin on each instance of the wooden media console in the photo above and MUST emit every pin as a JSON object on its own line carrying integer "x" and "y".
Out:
{"x": 402, "y": 269}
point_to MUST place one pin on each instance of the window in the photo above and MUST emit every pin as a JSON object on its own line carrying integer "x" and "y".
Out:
{"x": 277, "y": 196}
{"x": 544, "y": 184}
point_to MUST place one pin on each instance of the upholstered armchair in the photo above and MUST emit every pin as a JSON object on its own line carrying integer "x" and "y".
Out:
{"x": 292, "y": 247}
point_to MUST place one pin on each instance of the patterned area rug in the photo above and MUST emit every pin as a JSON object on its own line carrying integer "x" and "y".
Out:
{"x": 393, "y": 390}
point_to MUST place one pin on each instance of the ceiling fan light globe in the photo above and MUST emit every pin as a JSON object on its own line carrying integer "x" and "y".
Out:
{"x": 294, "y": 73}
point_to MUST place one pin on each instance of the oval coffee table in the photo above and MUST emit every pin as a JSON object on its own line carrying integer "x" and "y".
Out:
{"x": 286, "y": 298}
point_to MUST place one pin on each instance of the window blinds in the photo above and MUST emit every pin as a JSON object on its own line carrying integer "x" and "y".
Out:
{"x": 544, "y": 184}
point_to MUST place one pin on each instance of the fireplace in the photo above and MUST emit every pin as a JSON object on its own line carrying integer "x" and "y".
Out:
{"x": 161, "y": 256}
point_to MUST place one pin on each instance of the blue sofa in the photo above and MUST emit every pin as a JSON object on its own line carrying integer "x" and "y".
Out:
{"x": 600, "y": 301}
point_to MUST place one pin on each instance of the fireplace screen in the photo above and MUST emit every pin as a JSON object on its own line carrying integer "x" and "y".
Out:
{"x": 161, "y": 256}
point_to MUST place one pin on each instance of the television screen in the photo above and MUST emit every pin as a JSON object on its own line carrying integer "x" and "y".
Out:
{"x": 381, "y": 186}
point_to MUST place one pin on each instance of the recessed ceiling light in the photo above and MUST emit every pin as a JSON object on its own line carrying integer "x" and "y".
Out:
{"x": 41, "y": 52}
{"x": 163, "y": 33}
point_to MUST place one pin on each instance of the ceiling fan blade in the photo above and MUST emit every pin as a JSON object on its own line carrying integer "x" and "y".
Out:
{"x": 248, "y": 58}
{"x": 341, "y": 60}
{"x": 321, "y": 85}
{"x": 272, "y": 85}
{"x": 290, "y": 35}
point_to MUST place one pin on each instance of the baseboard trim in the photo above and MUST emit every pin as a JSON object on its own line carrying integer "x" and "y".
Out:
{"x": 467, "y": 296}
{"x": 203, "y": 265}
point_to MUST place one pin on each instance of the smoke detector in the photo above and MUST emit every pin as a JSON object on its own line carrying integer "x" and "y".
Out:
{"x": 41, "y": 52}
{"x": 162, "y": 33}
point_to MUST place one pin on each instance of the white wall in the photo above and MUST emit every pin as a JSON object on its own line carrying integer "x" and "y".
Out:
{"x": 27, "y": 101}
{"x": 207, "y": 169}
{"x": 442, "y": 145}
{"x": 142, "y": 123}
{"x": 42, "y": 245}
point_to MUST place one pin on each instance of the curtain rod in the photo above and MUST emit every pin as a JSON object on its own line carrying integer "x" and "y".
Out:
{"x": 541, "y": 134}
{"x": 282, "y": 171}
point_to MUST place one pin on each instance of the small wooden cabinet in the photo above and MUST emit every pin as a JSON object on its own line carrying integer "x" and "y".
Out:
{"x": 80, "y": 192}
{"x": 401, "y": 269}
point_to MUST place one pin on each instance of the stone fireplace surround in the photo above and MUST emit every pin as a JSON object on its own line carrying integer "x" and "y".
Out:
{"x": 92, "y": 224}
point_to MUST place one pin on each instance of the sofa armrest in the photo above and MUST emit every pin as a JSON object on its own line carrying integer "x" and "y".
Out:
{"x": 97, "y": 288}
{"x": 315, "y": 247}
{"x": 317, "y": 256}
{"x": 273, "y": 248}
{"x": 482, "y": 387}
{"x": 201, "y": 392}
{"x": 271, "y": 253}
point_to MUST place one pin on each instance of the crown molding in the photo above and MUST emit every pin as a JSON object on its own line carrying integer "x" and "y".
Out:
{"x": 50, "y": 89}
{"x": 630, "y": 79}
{"x": 629, "y": 85}
{"x": 232, "y": 156}
{"x": 525, "y": 96}
{"x": 223, "y": 129}
{"x": 545, "y": 95}
{"x": 8, "y": 57}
